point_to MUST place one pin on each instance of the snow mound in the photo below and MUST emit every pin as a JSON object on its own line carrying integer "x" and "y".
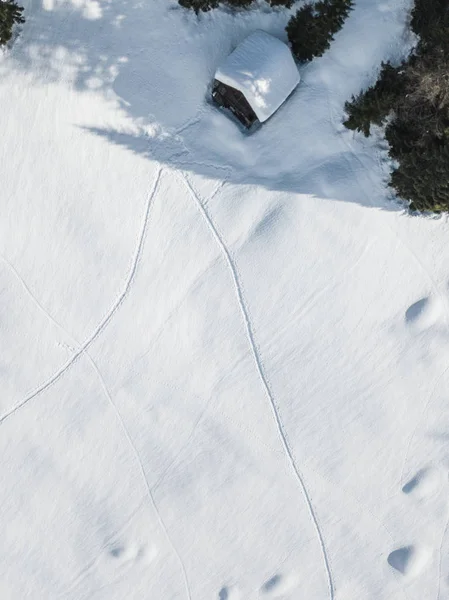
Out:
{"x": 263, "y": 69}
{"x": 423, "y": 314}
{"x": 424, "y": 484}
{"x": 409, "y": 560}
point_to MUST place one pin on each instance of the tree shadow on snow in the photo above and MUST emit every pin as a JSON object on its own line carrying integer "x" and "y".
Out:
{"x": 155, "y": 61}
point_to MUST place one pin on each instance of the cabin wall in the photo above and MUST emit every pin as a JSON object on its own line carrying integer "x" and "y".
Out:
{"x": 234, "y": 100}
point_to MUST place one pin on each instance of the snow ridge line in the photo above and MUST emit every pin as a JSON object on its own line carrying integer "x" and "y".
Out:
{"x": 280, "y": 427}
{"x": 142, "y": 473}
{"x": 103, "y": 323}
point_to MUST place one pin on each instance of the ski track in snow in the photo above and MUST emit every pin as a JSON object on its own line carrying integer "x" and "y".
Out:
{"x": 103, "y": 323}
{"x": 92, "y": 563}
{"x": 144, "y": 477}
{"x": 257, "y": 359}
{"x": 278, "y": 584}
{"x": 440, "y": 558}
{"x": 33, "y": 297}
{"x": 261, "y": 372}
{"x": 81, "y": 349}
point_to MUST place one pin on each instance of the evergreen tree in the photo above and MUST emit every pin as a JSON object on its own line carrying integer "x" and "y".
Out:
{"x": 10, "y": 14}
{"x": 238, "y": 3}
{"x": 373, "y": 106}
{"x": 206, "y": 5}
{"x": 199, "y": 5}
{"x": 428, "y": 18}
{"x": 286, "y": 3}
{"x": 303, "y": 33}
{"x": 416, "y": 96}
{"x": 423, "y": 178}
{"x": 312, "y": 29}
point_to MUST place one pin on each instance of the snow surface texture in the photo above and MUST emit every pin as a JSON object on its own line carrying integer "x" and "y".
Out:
{"x": 225, "y": 358}
{"x": 263, "y": 69}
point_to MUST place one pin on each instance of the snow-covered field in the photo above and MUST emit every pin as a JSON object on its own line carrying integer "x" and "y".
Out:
{"x": 224, "y": 359}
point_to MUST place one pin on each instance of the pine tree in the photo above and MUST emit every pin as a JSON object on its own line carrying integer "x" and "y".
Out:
{"x": 303, "y": 33}
{"x": 286, "y": 3}
{"x": 373, "y": 106}
{"x": 10, "y": 14}
{"x": 312, "y": 29}
{"x": 206, "y": 5}
{"x": 238, "y": 3}
{"x": 423, "y": 178}
{"x": 199, "y": 5}
{"x": 416, "y": 96}
{"x": 428, "y": 17}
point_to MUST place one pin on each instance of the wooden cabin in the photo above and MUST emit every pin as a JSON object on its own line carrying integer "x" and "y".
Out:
{"x": 256, "y": 78}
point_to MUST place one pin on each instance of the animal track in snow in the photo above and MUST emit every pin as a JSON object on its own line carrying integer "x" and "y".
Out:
{"x": 424, "y": 484}
{"x": 276, "y": 586}
{"x": 423, "y": 313}
{"x": 229, "y": 593}
{"x": 409, "y": 560}
{"x": 117, "y": 552}
{"x": 124, "y": 554}
{"x": 271, "y": 584}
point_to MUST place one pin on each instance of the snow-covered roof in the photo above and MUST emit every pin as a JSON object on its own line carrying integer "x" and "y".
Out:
{"x": 263, "y": 69}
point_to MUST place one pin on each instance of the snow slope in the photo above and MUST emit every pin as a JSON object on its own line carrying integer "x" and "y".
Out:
{"x": 224, "y": 359}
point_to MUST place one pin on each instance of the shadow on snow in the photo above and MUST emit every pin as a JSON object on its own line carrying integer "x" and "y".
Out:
{"x": 156, "y": 61}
